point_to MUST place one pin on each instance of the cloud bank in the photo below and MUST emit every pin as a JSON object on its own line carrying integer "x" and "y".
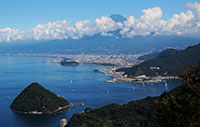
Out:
{"x": 150, "y": 22}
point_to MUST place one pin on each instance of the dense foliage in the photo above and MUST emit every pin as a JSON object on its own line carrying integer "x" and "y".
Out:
{"x": 37, "y": 98}
{"x": 136, "y": 113}
{"x": 148, "y": 56}
{"x": 164, "y": 54}
{"x": 170, "y": 63}
{"x": 177, "y": 108}
{"x": 180, "y": 107}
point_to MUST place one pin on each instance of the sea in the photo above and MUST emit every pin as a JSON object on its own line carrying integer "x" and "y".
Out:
{"x": 77, "y": 84}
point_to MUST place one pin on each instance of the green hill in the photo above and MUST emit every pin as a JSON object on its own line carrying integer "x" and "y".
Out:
{"x": 177, "y": 108}
{"x": 170, "y": 63}
{"x": 164, "y": 54}
{"x": 35, "y": 99}
{"x": 148, "y": 56}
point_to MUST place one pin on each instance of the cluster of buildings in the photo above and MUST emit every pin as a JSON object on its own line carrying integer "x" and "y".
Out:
{"x": 118, "y": 60}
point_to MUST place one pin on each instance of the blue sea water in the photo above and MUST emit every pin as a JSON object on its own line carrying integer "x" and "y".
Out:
{"x": 75, "y": 83}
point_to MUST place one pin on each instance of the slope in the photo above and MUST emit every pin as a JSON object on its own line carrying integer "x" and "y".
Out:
{"x": 177, "y": 108}
{"x": 168, "y": 64}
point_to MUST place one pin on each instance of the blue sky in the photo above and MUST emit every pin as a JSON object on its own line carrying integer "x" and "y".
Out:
{"x": 64, "y": 19}
{"x": 26, "y": 14}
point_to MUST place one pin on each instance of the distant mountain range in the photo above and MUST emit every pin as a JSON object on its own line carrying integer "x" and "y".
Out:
{"x": 114, "y": 43}
{"x": 168, "y": 62}
{"x": 98, "y": 44}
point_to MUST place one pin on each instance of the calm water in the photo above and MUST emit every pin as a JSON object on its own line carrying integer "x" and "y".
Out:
{"x": 75, "y": 83}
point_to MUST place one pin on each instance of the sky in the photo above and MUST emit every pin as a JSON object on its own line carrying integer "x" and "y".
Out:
{"x": 26, "y": 14}
{"x": 20, "y": 16}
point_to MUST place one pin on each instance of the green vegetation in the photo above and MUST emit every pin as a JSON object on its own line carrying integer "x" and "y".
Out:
{"x": 177, "y": 108}
{"x": 37, "y": 98}
{"x": 180, "y": 107}
{"x": 170, "y": 63}
{"x": 148, "y": 56}
{"x": 137, "y": 114}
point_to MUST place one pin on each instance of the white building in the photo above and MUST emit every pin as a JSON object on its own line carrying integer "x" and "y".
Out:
{"x": 63, "y": 122}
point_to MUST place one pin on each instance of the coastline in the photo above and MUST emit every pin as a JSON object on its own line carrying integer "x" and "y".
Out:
{"x": 151, "y": 80}
{"x": 110, "y": 69}
{"x": 120, "y": 77}
{"x": 56, "y": 111}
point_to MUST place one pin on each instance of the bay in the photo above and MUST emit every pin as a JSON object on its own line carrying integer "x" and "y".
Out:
{"x": 77, "y": 84}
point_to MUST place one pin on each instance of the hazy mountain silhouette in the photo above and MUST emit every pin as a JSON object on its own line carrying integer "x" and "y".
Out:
{"x": 98, "y": 44}
{"x": 118, "y": 18}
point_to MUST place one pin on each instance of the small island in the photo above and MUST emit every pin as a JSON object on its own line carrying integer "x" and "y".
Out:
{"x": 35, "y": 99}
{"x": 68, "y": 62}
{"x": 96, "y": 70}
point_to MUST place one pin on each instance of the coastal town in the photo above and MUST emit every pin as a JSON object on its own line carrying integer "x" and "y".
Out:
{"x": 112, "y": 63}
{"x": 121, "y": 60}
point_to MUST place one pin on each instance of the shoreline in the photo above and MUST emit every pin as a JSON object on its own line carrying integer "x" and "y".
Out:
{"x": 123, "y": 60}
{"x": 151, "y": 80}
{"x": 110, "y": 70}
{"x": 120, "y": 77}
{"x": 56, "y": 111}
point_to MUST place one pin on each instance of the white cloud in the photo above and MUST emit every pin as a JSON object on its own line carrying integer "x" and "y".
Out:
{"x": 9, "y": 34}
{"x": 105, "y": 24}
{"x": 55, "y": 30}
{"x": 180, "y": 24}
{"x": 128, "y": 25}
{"x": 84, "y": 28}
{"x": 151, "y": 21}
{"x": 196, "y": 7}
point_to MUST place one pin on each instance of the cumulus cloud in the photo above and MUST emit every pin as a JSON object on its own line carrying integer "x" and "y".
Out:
{"x": 55, "y": 30}
{"x": 196, "y": 7}
{"x": 8, "y": 34}
{"x": 179, "y": 24}
{"x": 82, "y": 28}
{"x": 150, "y": 22}
{"x": 105, "y": 24}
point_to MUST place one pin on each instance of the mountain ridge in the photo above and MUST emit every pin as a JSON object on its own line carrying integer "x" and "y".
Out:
{"x": 100, "y": 45}
{"x": 176, "y": 108}
{"x": 169, "y": 66}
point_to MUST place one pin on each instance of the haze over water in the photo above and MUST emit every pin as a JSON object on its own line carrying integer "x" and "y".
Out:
{"x": 75, "y": 83}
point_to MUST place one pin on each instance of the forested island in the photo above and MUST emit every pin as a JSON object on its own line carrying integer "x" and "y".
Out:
{"x": 176, "y": 108}
{"x": 35, "y": 99}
